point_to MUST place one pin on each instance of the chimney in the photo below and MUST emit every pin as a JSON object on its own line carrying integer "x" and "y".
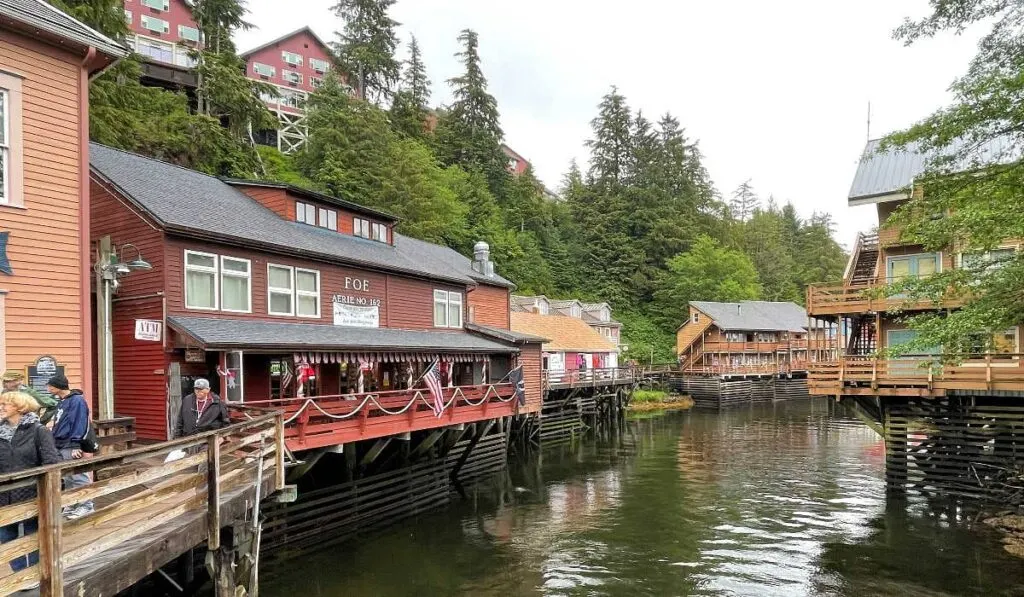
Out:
{"x": 482, "y": 259}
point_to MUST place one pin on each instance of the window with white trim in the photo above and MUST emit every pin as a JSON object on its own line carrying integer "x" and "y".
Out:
{"x": 315, "y": 82}
{"x": 447, "y": 309}
{"x": 328, "y": 218}
{"x": 361, "y": 227}
{"x": 291, "y": 58}
{"x": 235, "y": 284}
{"x": 201, "y": 280}
{"x": 164, "y": 5}
{"x": 696, "y": 317}
{"x": 380, "y": 232}
{"x": 987, "y": 260}
{"x": 188, "y": 33}
{"x": 5, "y": 146}
{"x": 263, "y": 70}
{"x": 128, "y": 16}
{"x": 318, "y": 65}
{"x": 292, "y": 77}
{"x": 305, "y": 213}
{"x": 280, "y": 290}
{"x": 307, "y": 292}
{"x": 155, "y": 25}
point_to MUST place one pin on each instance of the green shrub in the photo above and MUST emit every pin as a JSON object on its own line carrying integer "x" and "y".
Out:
{"x": 649, "y": 396}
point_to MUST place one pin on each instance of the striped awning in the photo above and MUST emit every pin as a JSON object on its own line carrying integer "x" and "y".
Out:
{"x": 357, "y": 358}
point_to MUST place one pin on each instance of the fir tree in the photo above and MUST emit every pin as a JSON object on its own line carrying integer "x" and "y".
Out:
{"x": 610, "y": 145}
{"x": 366, "y": 47}
{"x": 744, "y": 201}
{"x": 411, "y": 102}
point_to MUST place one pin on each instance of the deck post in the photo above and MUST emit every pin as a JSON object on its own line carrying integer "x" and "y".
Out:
{"x": 213, "y": 492}
{"x": 51, "y": 568}
{"x": 279, "y": 451}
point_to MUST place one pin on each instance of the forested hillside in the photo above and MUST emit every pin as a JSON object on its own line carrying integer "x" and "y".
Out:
{"x": 642, "y": 226}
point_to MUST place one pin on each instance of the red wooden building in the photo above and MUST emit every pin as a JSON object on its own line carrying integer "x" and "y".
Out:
{"x": 294, "y": 63}
{"x": 163, "y": 32}
{"x": 257, "y": 286}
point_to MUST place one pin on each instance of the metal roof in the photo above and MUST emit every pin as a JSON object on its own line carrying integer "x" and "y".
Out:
{"x": 893, "y": 172}
{"x": 503, "y": 334}
{"x": 41, "y": 15}
{"x": 252, "y": 333}
{"x": 307, "y": 29}
{"x": 761, "y": 316}
{"x": 194, "y": 204}
{"x": 313, "y": 195}
{"x": 446, "y": 257}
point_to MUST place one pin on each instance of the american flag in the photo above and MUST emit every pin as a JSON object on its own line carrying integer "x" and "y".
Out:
{"x": 433, "y": 380}
{"x": 286, "y": 377}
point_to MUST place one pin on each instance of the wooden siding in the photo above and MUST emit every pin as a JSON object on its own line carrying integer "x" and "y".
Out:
{"x": 281, "y": 202}
{"x": 140, "y": 376}
{"x": 530, "y": 357}
{"x": 490, "y": 306}
{"x": 45, "y": 310}
{"x": 690, "y": 331}
{"x": 405, "y": 302}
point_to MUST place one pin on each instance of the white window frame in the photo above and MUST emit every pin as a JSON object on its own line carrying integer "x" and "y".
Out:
{"x": 148, "y": 4}
{"x": 205, "y": 269}
{"x": 445, "y": 297}
{"x": 987, "y": 255}
{"x": 305, "y": 211}
{"x": 327, "y": 218}
{"x": 144, "y": 19}
{"x": 313, "y": 62}
{"x": 377, "y": 230}
{"x": 360, "y": 227}
{"x": 284, "y": 58}
{"x": 5, "y": 148}
{"x": 271, "y": 291}
{"x": 298, "y": 293}
{"x": 1012, "y": 361}
{"x": 128, "y": 16}
{"x": 315, "y": 82}
{"x": 181, "y": 34}
{"x": 696, "y": 318}
{"x": 291, "y": 76}
{"x": 270, "y": 71}
{"x": 233, "y": 274}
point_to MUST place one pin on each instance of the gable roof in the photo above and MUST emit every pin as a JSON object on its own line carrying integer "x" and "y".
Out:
{"x": 305, "y": 29}
{"x": 313, "y": 195}
{"x": 44, "y": 17}
{"x": 198, "y": 205}
{"x": 761, "y": 316}
{"x": 890, "y": 172}
{"x": 446, "y": 257}
{"x": 567, "y": 334}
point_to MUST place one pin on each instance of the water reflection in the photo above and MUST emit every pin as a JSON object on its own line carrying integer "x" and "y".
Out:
{"x": 783, "y": 499}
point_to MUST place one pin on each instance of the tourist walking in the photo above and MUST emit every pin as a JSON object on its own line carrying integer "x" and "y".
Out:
{"x": 70, "y": 426}
{"x": 24, "y": 443}
{"x": 202, "y": 410}
{"x": 14, "y": 381}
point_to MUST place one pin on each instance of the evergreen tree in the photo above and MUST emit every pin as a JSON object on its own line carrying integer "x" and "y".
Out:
{"x": 469, "y": 133}
{"x": 366, "y": 47}
{"x": 611, "y": 143}
{"x": 744, "y": 201}
{"x": 411, "y": 102}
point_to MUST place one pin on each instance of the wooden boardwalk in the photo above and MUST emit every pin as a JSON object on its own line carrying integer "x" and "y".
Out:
{"x": 148, "y": 510}
{"x": 590, "y": 378}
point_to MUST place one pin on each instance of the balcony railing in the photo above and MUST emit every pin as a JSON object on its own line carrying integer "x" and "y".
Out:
{"x": 769, "y": 346}
{"x": 753, "y": 369}
{"x": 841, "y": 299}
{"x": 591, "y": 377}
{"x": 320, "y": 421}
{"x": 916, "y": 375}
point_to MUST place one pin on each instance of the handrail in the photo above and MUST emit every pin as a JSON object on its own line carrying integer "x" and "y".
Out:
{"x": 590, "y": 376}
{"x": 982, "y": 371}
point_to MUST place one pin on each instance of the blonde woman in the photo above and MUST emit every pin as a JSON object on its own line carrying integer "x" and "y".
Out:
{"x": 24, "y": 444}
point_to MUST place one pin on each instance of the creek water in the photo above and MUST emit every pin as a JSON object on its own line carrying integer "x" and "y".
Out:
{"x": 775, "y": 499}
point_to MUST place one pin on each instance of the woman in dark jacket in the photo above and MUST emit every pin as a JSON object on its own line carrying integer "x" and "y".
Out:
{"x": 24, "y": 444}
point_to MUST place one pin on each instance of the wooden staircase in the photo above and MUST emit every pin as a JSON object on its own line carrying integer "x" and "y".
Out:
{"x": 865, "y": 260}
{"x": 863, "y": 340}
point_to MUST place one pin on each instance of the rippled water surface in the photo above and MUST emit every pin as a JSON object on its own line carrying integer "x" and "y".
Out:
{"x": 784, "y": 499}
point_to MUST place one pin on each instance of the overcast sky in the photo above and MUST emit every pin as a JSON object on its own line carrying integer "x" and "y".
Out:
{"x": 776, "y": 92}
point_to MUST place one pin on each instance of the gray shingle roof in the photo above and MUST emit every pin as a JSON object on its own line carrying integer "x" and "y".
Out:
{"x": 446, "y": 257}
{"x": 41, "y": 15}
{"x": 764, "y": 316}
{"x": 503, "y": 334}
{"x": 885, "y": 173}
{"x": 196, "y": 204}
{"x": 250, "y": 333}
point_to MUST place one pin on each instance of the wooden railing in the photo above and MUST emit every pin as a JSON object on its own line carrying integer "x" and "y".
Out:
{"x": 918, "y": 372}
{"x": 321, "y": 421}
{"x": 829, "y": 299}
{"x": 744, "y": 346}
{"x": 134, "y": 491}
{"x": 758, "y": 369}
{"x": 591, "y": 377}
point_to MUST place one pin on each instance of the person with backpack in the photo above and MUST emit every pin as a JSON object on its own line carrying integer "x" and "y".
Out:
{"x": 24, "y": 443}
{"x": 70, "y": 427}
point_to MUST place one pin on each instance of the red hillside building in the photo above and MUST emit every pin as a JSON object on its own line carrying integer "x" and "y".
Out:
{"x": 163, "y": 32}
{"x": 294, "y": 63}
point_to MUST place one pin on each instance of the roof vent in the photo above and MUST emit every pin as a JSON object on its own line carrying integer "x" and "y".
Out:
{"x": 739, "y": 309}
{"x": 482, "y": 259}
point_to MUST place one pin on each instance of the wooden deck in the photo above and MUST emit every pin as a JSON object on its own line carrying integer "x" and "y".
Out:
{"x": 848, "y": 299}
{"x": 924, "y": 376}
{"x": 324, "y": 421}
{"x": 148, "y": 511}
{"x": 590, "y": 378}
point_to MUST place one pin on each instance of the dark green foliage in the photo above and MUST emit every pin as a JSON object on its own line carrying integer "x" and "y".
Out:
{"x": 980, "y": 209}
{"x": 409, "y": 108}
{"x": 366, "y": 47}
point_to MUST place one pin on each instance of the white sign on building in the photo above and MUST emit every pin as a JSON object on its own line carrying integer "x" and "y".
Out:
{"x": 149, "y": 329}
{"x": 355, "y": 316}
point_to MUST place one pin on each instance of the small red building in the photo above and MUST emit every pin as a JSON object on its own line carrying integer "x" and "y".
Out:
{"x": 517, "y": 164}
{"x": 288, "y": 298}
{"x": 163, "y": 32}
{"x": 294, "y": 63}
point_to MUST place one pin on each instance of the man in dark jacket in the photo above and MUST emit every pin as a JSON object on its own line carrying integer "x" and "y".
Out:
{"x": 202, "y": 410}
{"x": 70, "y": 424}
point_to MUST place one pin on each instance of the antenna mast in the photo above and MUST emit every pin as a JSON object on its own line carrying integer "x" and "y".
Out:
{"x": 869, "y": 120}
